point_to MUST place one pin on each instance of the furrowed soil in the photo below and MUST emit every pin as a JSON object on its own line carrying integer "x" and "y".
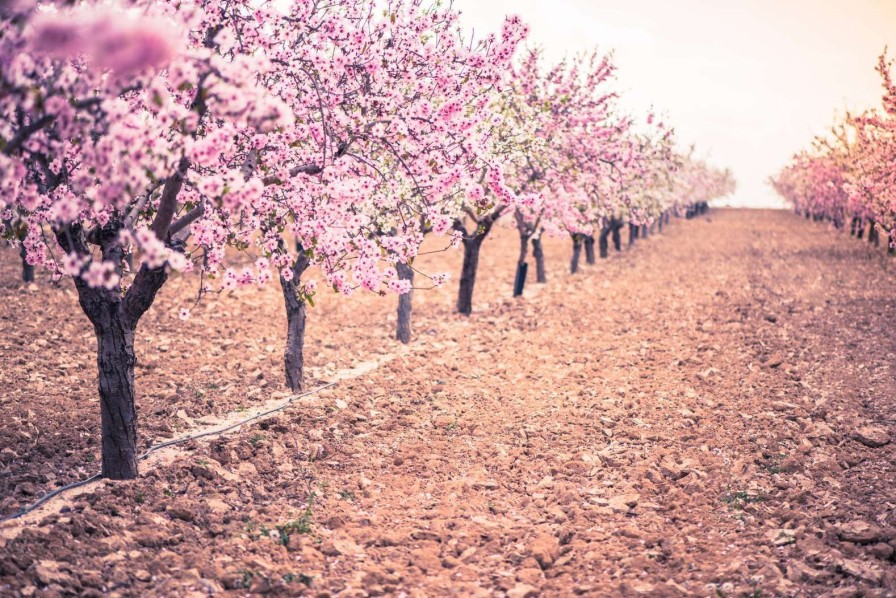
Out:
{"x": 708, "y": 413}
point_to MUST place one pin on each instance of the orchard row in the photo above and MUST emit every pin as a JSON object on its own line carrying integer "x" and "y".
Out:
{"x": 848, "y": 175}
{"x": 148, "y": 137}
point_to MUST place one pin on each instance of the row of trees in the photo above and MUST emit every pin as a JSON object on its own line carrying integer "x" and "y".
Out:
{"x": 148, "y": 137}
{"x": 848, "y": 174}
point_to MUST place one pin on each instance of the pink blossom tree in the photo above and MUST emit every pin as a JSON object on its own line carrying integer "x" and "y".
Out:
{"x": 172, "y": 131}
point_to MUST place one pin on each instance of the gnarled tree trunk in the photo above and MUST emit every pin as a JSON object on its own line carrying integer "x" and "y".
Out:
{"x": 294, "y": 354}
{"x": 403, "y": 333}
{"x": 114, "y": 318}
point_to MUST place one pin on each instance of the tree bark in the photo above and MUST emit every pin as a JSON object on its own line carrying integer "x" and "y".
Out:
{"x": 632, "y": 233}
{"x": 27, "y": 269}
{"x": 403, "y": 334}
{"x": 659, "y": 222}
{"x": 603, "y": 242}
{"x": 118, "y": 411}
{"x": 541, "y": 276}
{"x": 617, "y": 235}
{"x": 519, "y": 281}
{"x": 468, "y": 274}
{"x": 294, "y": 353}
{"x": 644, "y": 231}
{"x": 576, "y": 252}
{"x": 873, "y": 235}
{"x": 589, "y": 250}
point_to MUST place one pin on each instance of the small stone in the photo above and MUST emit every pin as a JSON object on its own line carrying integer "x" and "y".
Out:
{"x": 881, "y": 550}
{"x": 545, "y": 549}
{"x": 181, "y": 511}
{"x": 861, "y": 570}
{"x": 858, "y": 532}
{"x": 624, "y": 502}
{"x": 872, "y": 436}
{"x": 522, "y": 590}
{"x": 427, "y": 557}
{"x": 48, "y": 573}
{"x": 142, "y": 575}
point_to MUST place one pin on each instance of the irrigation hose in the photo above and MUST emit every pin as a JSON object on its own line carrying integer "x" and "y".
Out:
{"x": 156, "y": 447}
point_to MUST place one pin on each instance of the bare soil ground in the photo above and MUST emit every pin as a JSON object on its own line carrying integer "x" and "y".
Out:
{"x": 709, "y": 413}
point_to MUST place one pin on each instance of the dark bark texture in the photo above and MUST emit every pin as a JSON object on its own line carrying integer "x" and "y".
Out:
{"x": 519, "y": 281}
{"x": 617, "y": 235}
{"x": 27, "y": 269}
{"x": 468, "y": 274}
{"x": 541, "y": 275}
{"x": 576, "y": 253}
{"x": 604, "y": 242}
{"x": 114, "y": 318}
{"x": 405, "y": 301}
{"x": 589, "y": 250}
{"x": 294, "y": 354}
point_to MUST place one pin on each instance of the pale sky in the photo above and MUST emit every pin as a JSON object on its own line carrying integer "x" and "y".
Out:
{"x": 748, "y": 81}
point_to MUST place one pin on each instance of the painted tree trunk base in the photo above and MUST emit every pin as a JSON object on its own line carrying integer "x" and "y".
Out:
{"x": 403, "y": 332}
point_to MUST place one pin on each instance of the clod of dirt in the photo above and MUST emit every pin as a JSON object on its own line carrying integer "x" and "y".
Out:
{"x": 872, "y": 436}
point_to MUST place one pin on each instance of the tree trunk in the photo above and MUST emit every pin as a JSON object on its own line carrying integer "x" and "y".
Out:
{"x": 468, "y": 274}
{"x": 644, "y": 231}
{"x": 294, "y": 354}
{"x": 659, "y": 222}
{"x": 589, "y": 250}
{"x": 576, "y": 252}
{"x": 541, "y": 276}
{"x": 603, "y": 242}
{"x": 860, "y": 229}
{"x": 519, "y": 281}
{"x": 617, "y": 236}
{"x": 405, "y": 272}
{"x": 115, "y": 361}
{"x": 873, "y": 236}
{"x": 27, "y": 269}
{"x": 632, "y": 234}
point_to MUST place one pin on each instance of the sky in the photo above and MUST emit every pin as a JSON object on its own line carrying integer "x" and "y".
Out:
{"x": 749, "y": 82}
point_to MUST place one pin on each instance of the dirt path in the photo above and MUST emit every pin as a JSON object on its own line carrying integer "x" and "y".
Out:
{"x": 690, "y": 417}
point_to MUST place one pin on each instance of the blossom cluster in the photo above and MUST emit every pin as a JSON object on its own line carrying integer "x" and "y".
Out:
{"x": 848, "y": 173}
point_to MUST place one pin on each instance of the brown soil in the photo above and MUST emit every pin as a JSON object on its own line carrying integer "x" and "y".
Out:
{"x": 701, "y": 415}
